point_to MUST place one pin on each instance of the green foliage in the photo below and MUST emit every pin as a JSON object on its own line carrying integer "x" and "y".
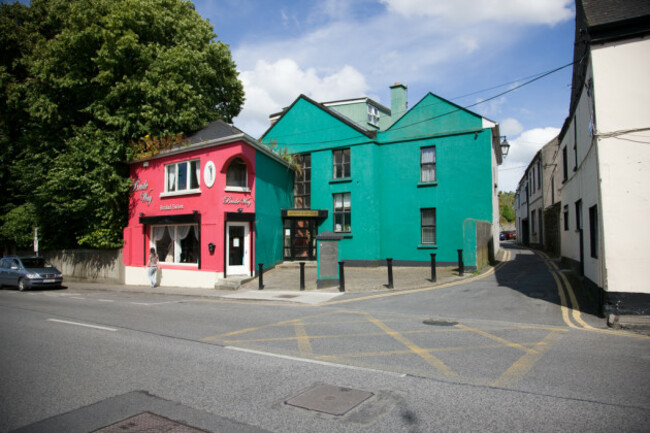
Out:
{"x": 506, "y": 200}
{"x": 18, "y": 225}
{"x": 81, "y": 80}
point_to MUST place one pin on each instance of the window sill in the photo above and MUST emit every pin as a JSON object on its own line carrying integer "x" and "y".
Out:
{"x": 427, "y": 184}
{"x": 343, "y": 180}
{"x": 428, "y": 247}
{"x": 237, "y": 189}
{"x": 345, "y": 235}
{"x": 179, "y": 193}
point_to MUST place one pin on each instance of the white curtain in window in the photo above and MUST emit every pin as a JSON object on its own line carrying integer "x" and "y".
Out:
{"x": 171, "y": 178}
{"x": 182, "y": 232}
{"x": 196, "y": 232}
{"x": 429, "y": 164}
{"x": 158, "y": 233}
{"x": 198, "y": 173}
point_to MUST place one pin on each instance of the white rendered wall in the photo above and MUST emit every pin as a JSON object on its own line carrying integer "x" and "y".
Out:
{"x": 137, "y": 276}
{"x": 622, "y": 93}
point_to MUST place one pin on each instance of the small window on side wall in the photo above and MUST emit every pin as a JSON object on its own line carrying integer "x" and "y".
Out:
{"x": 237, "y": 176}
{"x": 428, "y": 226}
{"x": 428, "y": 164}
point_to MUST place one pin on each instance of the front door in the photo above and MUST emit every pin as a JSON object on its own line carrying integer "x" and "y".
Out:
{"x": 300, "y": 239}
{"x": 237, "y": 249}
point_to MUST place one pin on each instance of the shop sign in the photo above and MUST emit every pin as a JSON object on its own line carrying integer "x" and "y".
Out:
{"x": 145, "y": 191}
{"x": 236, "y": 201}
{"x": 303, "y": 213}
{"x": 171, "y": 206}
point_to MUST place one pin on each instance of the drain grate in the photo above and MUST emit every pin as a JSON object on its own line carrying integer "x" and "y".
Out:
{"x": 333, "y": 400}
{"x": 439, "y": 322}
{"x": 148, "y": 422}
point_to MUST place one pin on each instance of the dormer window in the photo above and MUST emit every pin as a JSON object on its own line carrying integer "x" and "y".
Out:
{"x": 373, "y": 115}
{"x": 237, "y": 176}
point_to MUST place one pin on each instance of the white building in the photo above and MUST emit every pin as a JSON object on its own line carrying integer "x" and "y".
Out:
{"x": 603, "y": 159}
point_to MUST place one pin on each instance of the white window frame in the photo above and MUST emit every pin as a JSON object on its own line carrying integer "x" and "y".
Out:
{"x": 433, "y": 164}
{"x": 177, "y": 243}
{"x": 233, "y": 188}
{"x": 168, "y": 192}
{"x": 373, "y": 115}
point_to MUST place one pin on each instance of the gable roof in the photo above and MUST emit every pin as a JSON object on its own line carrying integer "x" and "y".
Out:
{"x": 213, "y": 131}
{"x": 349, "y": 122}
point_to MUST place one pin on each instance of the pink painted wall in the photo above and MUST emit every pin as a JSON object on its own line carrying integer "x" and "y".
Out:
{"x": 212, "y": 203}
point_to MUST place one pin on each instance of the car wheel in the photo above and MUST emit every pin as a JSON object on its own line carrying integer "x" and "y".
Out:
{"x": 21, "y": 285}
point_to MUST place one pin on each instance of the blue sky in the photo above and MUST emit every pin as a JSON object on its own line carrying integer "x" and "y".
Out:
{"x": 338, "y": 49}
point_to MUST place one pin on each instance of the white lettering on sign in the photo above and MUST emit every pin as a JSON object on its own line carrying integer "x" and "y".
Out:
{"x": 230, "y": 200}
{"x": 145, "y": 191}
{"x": 171, "y": 206}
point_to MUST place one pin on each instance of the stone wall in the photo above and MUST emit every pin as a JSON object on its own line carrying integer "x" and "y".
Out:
{"x": 96, "y": 265}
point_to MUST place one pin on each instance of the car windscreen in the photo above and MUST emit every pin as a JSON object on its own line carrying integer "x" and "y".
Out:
{"x": 35, "y": 263}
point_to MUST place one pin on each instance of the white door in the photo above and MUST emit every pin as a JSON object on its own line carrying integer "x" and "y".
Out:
{"x": 237, "y": 249}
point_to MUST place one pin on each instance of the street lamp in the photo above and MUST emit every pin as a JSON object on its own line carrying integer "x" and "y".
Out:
{"x": 505, "y": 146}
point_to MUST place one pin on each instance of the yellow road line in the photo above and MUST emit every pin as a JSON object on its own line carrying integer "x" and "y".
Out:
{"x": 304, "y": 345}
{"x": 422, "y": 353}
{"x": 503, "y": 341}
{"x": 526, "y": 363}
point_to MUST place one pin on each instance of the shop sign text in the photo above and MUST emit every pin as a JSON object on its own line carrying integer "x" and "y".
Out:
{"x": 145, "y": 191}
{"x": 229, "y": 200}
{"x": 171, "y": 206}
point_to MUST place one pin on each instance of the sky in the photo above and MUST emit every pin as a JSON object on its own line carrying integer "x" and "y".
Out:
{"x": 466, "y": 51}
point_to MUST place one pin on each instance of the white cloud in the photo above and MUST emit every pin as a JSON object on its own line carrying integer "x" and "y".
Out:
{"x": 548, "y": 12}
{"x": 510, "y": 127}
{"x": 270, "y": 87}
{"x": 522, "y": 150}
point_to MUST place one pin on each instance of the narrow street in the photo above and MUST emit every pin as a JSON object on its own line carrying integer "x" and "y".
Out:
{"x": 512, "y": 349}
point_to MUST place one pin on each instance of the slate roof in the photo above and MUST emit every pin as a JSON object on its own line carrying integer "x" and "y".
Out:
{"x": 605, "y": 12}
{"x": 214, "y": 130}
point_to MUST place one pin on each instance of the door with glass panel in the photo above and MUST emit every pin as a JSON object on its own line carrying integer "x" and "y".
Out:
{"x": 237, "y": 249}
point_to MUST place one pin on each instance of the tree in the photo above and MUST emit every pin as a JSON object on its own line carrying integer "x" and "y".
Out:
{"x": 84, "y": 78}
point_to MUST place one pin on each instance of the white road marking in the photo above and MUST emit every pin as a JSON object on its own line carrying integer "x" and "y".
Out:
{"x": 313, "y": 361}
{"x": 104, "y": 328}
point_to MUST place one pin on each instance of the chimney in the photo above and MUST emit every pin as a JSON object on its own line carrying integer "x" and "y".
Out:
{"x": 398, "y": 101}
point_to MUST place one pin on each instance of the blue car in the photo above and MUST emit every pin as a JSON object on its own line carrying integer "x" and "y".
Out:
{"x": 29, "y": 273}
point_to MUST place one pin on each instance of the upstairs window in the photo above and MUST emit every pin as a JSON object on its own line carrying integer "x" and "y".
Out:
{"x": 182, "y": 176}
{"x": 302, "y": 182}
{"x": 237, "y": 176}
{"x": 373, "y": 115}
{"x": 428, "y": 164}
{"x": 341, "y": 163}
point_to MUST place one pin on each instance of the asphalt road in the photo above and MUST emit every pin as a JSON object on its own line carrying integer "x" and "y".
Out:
{"x": 510, "y": 350}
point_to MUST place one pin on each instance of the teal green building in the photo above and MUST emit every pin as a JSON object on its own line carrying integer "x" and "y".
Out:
{"x": 394, "y": 182}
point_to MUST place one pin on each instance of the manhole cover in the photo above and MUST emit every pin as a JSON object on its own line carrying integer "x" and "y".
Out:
{"x": 148, "y": 422}
{"x": 334, "y": 400}
{"x": 439, "y": 322}
{"x": 287, "y": 296}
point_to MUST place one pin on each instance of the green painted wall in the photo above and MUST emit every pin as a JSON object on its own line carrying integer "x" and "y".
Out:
{"x": 385, "y": 188}
{"x": 273, "y": 192}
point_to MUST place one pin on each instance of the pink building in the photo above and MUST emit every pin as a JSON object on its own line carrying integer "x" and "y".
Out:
{"x": 196, "y": 205}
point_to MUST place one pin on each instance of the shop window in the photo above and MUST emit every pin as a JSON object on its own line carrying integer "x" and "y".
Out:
{"x": 176, "y": 243}
{"x": 237, "y": 176}
{"x": 183, "y": 176}
{"x": 428, "y": 164}
{"x": 342, "y": 213}
{"x": 302, "y": 182}
{"x": 341, "y": 163}
{"x": 428, "y": 226}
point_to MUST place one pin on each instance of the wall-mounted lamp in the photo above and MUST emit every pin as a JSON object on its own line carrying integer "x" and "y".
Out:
{"x": 211, "y": 247}
{"x": 505, "y": 146}
{"x": 240, "y": 210}
{"x": 145, "y": 164}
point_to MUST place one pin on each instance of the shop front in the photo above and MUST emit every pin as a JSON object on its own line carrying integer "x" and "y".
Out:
{"x": 300, "y": 231}
{"x": 196, "y": 207}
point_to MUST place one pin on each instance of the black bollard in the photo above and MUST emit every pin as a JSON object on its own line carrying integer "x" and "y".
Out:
{"x": 461, "y": 265}
{"x": 260, "y": 274}
{"x": 433, "y": 268}
{"x": 302, "y": 275}
{"x": 389, "y": 263}
{"x": 341, "y": 277}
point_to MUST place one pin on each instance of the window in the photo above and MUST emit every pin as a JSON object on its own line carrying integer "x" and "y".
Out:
{"x": 182, "y": 176}
{"x": 342, "y": 220}
{"x": 373, "y": 115}
{"x": 428, "y": 226}
{"x": 428, "y": 164}
{"x": 302, "y": 182}
{"x": 565, "y": 214}
{"x": 237, "y": 175}
{"x": 565, "y": 165}
{"x": 579, "y": 215}
{"x": 176, "y": 243}
{"x": 532, "y": 221}
{"x": 341, "y": 163}
{"x": 593, "y": 231}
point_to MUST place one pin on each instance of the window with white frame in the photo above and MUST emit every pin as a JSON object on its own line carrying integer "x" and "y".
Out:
{"x": 342, "y": 213}
{"x": 428, "y": 164}
{"x": 176, "y": 243}
{"x": 237, "y": 176}
{"x": 183, "y": 176}
{"x": 428, "y": 226}
{"x": 373, "y": 115}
